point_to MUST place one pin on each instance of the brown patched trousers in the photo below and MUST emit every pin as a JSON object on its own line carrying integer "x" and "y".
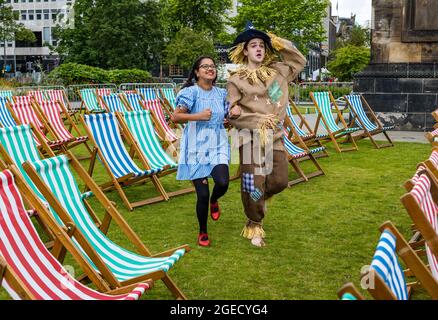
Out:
{"x": 263, "y": 174}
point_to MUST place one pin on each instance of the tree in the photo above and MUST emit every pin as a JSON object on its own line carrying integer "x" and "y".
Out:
{"x": 299, "y": 21}
{"x": 11, "y": 30}
{"x": 187, "y": 46}
{"x": 114, "y": 34}
{"x": 348, "y": 61}
{"x": 200, "y": 15}
{"x": 357, "y": 37}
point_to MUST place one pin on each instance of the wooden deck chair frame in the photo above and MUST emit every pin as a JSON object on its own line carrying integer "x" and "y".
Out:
{"x": 312, "y": 139}
{"x": 111, "y": 214}
{"x": 413, "y": 263}
{"x": 127, "y": 180}
{"x": 67, "y": 120}
{"x": 126, "y": 102}
{"x": 295, "y": 163}
{"x": 66, "y": 103}
{"x": 6, "y": 273}
{"x": 351, "y": 289}
{"x": 367, "y": 133}
{"x": 83, "y": 107}
{"x": 122, "y": 101}
{"x": 334, "y": 136}
{"x": 435, "y": 115}
{"x": 136, "y": 150}
{"x": 58, "y": 148}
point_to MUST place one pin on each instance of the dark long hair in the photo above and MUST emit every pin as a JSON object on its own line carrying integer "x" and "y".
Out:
{"x": 192, "y": 75}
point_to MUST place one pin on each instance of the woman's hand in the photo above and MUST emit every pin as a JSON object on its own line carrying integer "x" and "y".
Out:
{"x": 227, "y": 124}
{"x": 204, "y": 115}
{"x": 234, "y": 112}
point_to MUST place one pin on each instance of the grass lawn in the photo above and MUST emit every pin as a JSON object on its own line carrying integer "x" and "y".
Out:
{"x": 319, "y": 234}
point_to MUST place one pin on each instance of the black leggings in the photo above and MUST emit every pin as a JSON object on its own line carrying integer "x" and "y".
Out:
{"x": 220, "y": 175}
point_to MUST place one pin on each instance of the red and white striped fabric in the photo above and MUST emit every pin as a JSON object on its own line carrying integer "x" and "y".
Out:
{"x": 26, "y": 255}
{"x": 102, "y": 92}
{"x": 56, "y": 95}
{"x": 417, "y": 173}
{"x": 38, "y": 95}
{"x": 51, "y": 111}
{"x": 422, "y": 194}
{"x": 129, "y": 92}
{"x": 23, "y": 99}
{"x": 434, "y": 158}
{"x": 26, "y": 114}
{"x": 155, "y": 107}
{"x": 434, "y": 133}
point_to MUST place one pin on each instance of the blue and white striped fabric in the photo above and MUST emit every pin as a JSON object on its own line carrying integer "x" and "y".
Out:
{"x": 385, "y": 263}
{"x": 323, "y": 101}
{"x": 300, "y": 131}
{"x": 148, "y": 93}
{"x": 356, "y": 104}
{"x": 114, "y": 103}
{"x": 6, "y": 119}
{"x": 134, "y": 100}
{"x": 293, "y": 149}
{"x": 6, "y": 94}
{"x": 106, "y": 133}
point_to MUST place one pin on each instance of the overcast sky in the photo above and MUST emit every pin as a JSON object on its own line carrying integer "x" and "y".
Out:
{"x": 362, "y": 9}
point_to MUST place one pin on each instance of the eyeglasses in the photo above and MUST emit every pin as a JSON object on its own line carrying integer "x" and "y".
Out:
{"x": 207, "y": 66}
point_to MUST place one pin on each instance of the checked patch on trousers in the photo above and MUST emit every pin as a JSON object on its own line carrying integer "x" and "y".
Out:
{"x": 248, "y": 182}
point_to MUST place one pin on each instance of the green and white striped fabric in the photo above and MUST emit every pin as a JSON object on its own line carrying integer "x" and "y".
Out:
{"x": 6, "y": 94}
{"x": 141, "y": 127}
{"x": 124, "y": 264}
{"x": 90, "y": 100}
{"x": 323, "y": 101}
{"x": 169, "y": 94}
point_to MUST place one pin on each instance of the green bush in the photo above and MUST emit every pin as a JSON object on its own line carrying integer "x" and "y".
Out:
{"x": 74, "y": 73}
{"x": 119, "y": 76}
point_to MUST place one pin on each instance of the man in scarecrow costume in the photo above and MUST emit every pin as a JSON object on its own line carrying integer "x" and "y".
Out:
{"x": 258, "y": 98}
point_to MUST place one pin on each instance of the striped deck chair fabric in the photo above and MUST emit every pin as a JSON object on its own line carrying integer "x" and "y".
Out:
{"x": 148, "y": 93}
{"x": 422, "y": 194}
{"x": 6, "y": 94}
{"x": 356, "y": 104}
{"x": 124, "y": 264}
{"x": 385, "y": 263}
{"x": 304, "y": 135}
{"x": 51, "y": 111}
{"x": 89, "y": 99}
{"x": 38, "y": 95}
{"x": 155, "y": 107}
{"x": 323, "y": 101}
{"x": 26, "y": 114}
{"x": 56, "y": 95}
{"x": 24, "y": 252}
{"x": 134, "y": 100}
{"x": 23, "y": 99}
{"x": 114, "y": 103}
{"x": 169, "y": 94}
{"x": 295, "y": 151}
{"x": 102, "y": 92}
{"x": 141, "y": 127}
{"x": 6, "y": 119}
{"x": 106, "y": 133}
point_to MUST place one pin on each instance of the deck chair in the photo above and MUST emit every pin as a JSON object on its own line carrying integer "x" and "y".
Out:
{"x": 132, "y": 101}
{"x": 89, "y": 102}
{"x": 25, "y": 113}
{"x": 435, "y": 115}
{"x": 322, "y": 102}
{"x": 370, "y": 127}
{"x": 168, "y": 95}
{"x": 385, "y": 277}
{"x": 6, "y": 118}
{"x": 55, "y": 179}
{"x": 421, "y": 204}
{"x": 60, "y": 96}
{"x": 23, "y": 99}
{"x": 78, "y": 211}
{"x": 349, "y": 292}
{"x": 163, "y": 130}
{"x": 38, "y": 95}
{"x": 138, "y": 129}
{"x": 113, "y": 103}
{"x": 6, "y": 94}
{"x": 300, "y": 151}
{"x": 309, "y": 137}
{"x": 148, "y": 93}
{"x": 29, "y": 270}
{"x": 51, "y": 114}
{"x": 103, "y": 131}
{"x": 432, "y": 137}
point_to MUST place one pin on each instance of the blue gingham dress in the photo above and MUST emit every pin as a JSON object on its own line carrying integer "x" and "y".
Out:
{"x": 204, "y": 144}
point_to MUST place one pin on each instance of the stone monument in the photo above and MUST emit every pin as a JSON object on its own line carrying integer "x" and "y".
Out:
{"x": 401, "y": 81}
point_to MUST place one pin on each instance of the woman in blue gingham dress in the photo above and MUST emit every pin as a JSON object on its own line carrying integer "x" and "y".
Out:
{"x": 204, "y": 148}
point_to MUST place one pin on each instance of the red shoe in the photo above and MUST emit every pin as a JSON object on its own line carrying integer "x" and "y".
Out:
{"x": 203, "y": 240}
{"x": 215, "y": 211}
